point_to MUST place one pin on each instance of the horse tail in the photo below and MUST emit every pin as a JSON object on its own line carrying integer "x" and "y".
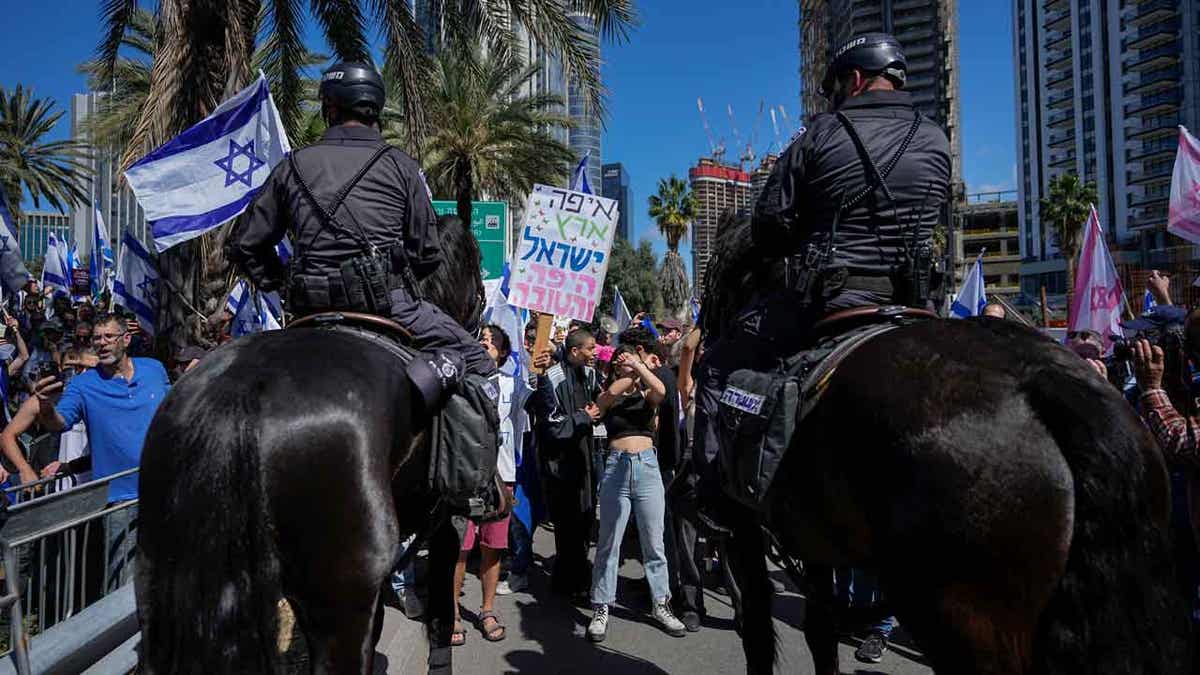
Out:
{"x": 1116, "y": 608}
{"x": 746, "y": 554}
{"x": 209, "y": 591}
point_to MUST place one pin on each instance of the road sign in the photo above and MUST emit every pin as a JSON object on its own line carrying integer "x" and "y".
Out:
{"x": 489, "y": 224}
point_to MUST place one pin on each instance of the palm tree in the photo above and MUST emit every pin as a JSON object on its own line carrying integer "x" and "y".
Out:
{"x": 52, "y": 171}
{"x": 1066, "y": 209}
{"x": 488, "y": 136}
{"x": 673, "y": 209}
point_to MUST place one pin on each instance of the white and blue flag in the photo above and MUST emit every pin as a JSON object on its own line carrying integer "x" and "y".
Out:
{"x": 136, "y": 287}
{"x": 621, "y": 311}
{"x": 253, "y": 312}
{"x": 579, "y": 181}
{"x": 211, "y": 172}
{"x": 1148, "y": 302}
{"x": 13, "y": 274}
{"x": 101, "y": 263}
{"x": 971, "y": 297}
{"x": 56, "y": 273}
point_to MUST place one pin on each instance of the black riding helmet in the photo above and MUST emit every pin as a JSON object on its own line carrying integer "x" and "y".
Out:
{"x": 874, "y": 53}
{"x": 354, "y": 86}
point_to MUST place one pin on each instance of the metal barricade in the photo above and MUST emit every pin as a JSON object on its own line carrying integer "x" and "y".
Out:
{"x": 47, "y": 542}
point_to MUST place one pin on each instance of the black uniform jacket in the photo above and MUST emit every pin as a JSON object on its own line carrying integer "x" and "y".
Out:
{"x": 818, "y": 168}
{"x": 391, "y": 204}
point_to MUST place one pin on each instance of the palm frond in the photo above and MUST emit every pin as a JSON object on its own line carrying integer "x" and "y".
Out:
{"x": 405, "y": 62}
{"x": 345, "y": 28}
{"x": 615, "y": 19}
{"x": 50, "y": 171}
{"x": 284, "y": 59}
{"x": 116, "y": 16}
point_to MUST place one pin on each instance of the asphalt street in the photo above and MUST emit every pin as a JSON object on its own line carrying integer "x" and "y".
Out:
{"x": 546, "y": 635}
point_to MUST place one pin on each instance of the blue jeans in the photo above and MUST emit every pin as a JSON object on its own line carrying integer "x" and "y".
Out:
{"x": 120, "y": 545}
{"x": 406, "y": 577}
{"x": 521, "y": 545}
{"x": 632, "y": 482}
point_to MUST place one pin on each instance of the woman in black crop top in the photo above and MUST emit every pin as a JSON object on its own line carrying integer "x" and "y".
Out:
{"x": 631, "y": 482}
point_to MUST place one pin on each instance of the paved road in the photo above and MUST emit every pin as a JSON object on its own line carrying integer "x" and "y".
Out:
{"x": 546, "y": 635}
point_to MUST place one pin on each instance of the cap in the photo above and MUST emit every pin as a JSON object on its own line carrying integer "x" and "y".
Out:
{"x": 670, "y": 324}
{"x": 190, "y": 353}
{"x": 1158, "y": 317}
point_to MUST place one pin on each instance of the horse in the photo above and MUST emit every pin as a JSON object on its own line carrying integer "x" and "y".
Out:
{"x": 1012, "y": 503}
{"x": 278, "y": 479}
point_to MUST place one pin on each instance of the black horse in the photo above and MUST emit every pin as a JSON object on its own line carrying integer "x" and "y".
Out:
{"x": 1012, "y": 503}
{"x": 288, "y": 466}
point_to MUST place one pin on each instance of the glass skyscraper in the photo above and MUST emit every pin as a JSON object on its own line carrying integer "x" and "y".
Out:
{"x": 584, "y": 139}
{"x": 616, "y": 186}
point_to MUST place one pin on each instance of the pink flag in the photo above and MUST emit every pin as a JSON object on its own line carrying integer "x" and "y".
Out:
{"x": 1096, "y": 304}
{"x": 1184, "y": 217}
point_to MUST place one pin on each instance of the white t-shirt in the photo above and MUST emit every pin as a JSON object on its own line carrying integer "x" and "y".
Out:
{"x": 513, "y": 422}
{"x": 73, "y": 444}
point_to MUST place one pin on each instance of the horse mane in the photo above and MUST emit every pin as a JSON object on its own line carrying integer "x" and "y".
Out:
{"x": 456, "y": 286}
{"x": 737, "y": 272}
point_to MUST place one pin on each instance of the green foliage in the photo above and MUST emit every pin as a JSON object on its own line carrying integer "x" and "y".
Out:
{"x": 51, "y": 171}
{"x": 673, "y": 209}
{"x": 488, "y": 137}
{"x": 1066, "y": 209}
{"x": 633, "y": 270}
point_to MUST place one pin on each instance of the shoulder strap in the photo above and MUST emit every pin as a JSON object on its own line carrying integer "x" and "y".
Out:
{"x": 877, "y": 178}
{"x": 328, "y": 213}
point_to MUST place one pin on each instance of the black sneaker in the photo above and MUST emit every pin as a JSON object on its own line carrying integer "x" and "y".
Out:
{"x": 691, "y": 621}
{"x": 872, "y": 649}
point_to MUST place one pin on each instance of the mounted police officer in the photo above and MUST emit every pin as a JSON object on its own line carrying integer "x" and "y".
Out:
{"x": 853, "y": 202}
{"x": 363, "y": 231}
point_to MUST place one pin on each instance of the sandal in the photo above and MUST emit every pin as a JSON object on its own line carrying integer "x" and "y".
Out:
{"x": 458, "y": 637}
{"x": 498, "y": 631}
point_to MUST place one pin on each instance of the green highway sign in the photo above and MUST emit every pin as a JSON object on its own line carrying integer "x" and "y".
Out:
{"x": 489, "y": 224}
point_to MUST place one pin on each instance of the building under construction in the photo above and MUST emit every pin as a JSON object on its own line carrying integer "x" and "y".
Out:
{"x": 717, "y": 188}
{"x": 928, "y": 29}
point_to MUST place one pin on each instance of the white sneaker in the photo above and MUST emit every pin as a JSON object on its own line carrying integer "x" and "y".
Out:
{"x": 598, "y": 628}
{"x": 666, "y": 619}
{"x": 413, "y": 607}
{"x": 515, "y": 583}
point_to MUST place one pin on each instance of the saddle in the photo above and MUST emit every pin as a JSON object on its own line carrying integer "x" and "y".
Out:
{"x": 387, "y": 333}
{"x": 759, "y": 411}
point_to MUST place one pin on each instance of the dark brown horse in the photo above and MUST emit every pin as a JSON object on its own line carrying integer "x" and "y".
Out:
{"x": 1011, "y": 501}
{"x": 290, "y": 465}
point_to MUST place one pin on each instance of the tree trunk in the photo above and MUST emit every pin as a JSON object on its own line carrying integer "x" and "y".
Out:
{"x": 1070, "y": 286}
{"x": 464, "y": 190}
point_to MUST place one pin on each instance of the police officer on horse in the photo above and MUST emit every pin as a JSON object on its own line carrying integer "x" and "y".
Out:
{"x": 363, "y": 230}
{"x": 853, "y": 203}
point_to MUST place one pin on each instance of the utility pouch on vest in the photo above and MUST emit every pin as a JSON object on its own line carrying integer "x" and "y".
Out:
{"x": 466, "y": 440}
{"x": 757, "y": 416}
{"x": 365, "y": 282}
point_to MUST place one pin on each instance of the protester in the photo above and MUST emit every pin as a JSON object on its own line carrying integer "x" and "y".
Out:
{"x": 632, "y": 482}
{"x": 565, "y": 405}
{"x": 492, "y": 536}
{"x": 994, "y": 310}
{"x": 116, "y": 400}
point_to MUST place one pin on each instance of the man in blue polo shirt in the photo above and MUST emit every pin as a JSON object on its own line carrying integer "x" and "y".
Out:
{"x": 116, "y": 401}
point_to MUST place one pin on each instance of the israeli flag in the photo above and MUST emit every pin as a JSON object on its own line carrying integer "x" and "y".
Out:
{"x": 136, "y": 287}
{"x": 1148, "y": 302}
{"x": 621, "y": 311}
{"x": 253, "y": 312}
{"x": 971, "y": 297}
{"x": 13, "y": 275}
{"x": 211, "y": 172}
{"x": 284, "y": 249}
{"x": 56, "y": 272}
{"x": 579, "y": 181}
{"x": 100, "y": 263}
{"x": 695, "y": 305}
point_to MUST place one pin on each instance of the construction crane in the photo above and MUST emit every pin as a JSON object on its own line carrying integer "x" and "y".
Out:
{"x": 717, "y": 149}
{"x": 775, "y": 125}
{"x": 747, "y": 154}
{"x": 750, "y": 154}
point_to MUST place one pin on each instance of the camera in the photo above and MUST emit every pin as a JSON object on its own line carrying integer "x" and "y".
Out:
{"x": 48, "y": 369}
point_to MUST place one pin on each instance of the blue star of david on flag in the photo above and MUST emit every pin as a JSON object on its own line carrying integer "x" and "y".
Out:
{"x": 227, "y": 163}
{"x": 149, "y": 289}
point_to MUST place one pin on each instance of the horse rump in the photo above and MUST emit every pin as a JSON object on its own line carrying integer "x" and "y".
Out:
{"x": 1116, "y": 608}
{"x": 208, "y": 574}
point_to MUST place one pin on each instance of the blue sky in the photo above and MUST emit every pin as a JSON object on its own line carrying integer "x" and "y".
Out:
{"x": 728, "y": 53}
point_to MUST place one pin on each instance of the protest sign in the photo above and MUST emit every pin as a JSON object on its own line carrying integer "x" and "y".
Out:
{"x": 562, "y": 257}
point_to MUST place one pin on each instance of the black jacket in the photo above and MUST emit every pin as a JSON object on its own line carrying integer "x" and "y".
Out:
{"x": 564, "y": 430}
{"x": 391, "y": 203}
{"x": 804, "y": 190}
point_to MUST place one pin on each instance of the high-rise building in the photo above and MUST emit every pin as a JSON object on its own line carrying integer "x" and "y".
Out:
{"x": 1100, "y": 89}
{"x": 584, "y": 136}
{"x": 616, "y": 186}
{"x": 717, "y": 188}
{"x": 34, "y": 230}
{"x": 758, "y": 179}
{"x": 987, "y": 224}
{"x": 106, "y": 191}
{"x": 928, "y": 31}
